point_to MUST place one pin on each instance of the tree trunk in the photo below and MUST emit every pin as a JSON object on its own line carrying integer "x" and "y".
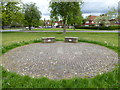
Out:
{"x": 29, "y": 27}
{"x": 64, "y": 26}
{"x": 74, "y": 26}
{"x": 2, "y": 26}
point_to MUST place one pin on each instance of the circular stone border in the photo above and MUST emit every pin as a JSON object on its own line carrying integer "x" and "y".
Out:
{"x": 68, "y": 77}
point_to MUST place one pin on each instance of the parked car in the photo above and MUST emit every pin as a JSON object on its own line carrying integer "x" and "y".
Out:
{"x": 28, "y": 27}
{"x": 48, "y": 26}
{"x": 32, "y": 27}
{"x": 39, "y": 26}
{"x": 58, "y": 26}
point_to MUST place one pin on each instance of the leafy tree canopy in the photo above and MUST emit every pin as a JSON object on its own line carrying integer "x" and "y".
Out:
{"x": 32, "y": 14}
{"x": 69, "y": 12}
{"x": 10, "y": 13}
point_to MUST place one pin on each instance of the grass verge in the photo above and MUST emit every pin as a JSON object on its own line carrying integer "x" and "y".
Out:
{"x": 13, "y": 80}
{"x": 13, "y": 37}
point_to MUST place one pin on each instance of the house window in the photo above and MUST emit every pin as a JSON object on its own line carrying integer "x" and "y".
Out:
{"x": 87, "y": 22}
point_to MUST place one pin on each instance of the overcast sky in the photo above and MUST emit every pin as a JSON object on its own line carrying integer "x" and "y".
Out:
{"x": 93, "y": 7}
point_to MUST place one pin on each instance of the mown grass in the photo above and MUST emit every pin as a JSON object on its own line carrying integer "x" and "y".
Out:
{"x": 13, "y": 80}
{"x": 13, "y": 37}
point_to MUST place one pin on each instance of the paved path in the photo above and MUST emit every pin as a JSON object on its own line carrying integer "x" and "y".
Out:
{"x": 55, "y": 31}
{"x": 16, "y": 30}
{"x": 60, "y": 60}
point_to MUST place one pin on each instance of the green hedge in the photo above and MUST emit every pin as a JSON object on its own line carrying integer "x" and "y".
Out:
{"x": 98, "y": 28}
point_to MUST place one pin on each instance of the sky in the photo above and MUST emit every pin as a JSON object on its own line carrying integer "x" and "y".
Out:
{"x": 90, "y": 7}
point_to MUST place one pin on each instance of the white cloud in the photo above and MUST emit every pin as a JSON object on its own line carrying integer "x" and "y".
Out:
{"x": 87, "y": 14}
{"x": 45, "y": 17}
{"x": 44, "y": 4}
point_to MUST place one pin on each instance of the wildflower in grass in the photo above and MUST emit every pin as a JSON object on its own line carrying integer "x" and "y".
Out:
{"x": 105, "y": 41}
{"x": 1, "y": 65}
{"x": 33, "y": 76}
{"x": 8, "y": 83}
{"x": 113, "y": 45}
{"x": 100, "y": 73}
{"x": 8, "y": 70}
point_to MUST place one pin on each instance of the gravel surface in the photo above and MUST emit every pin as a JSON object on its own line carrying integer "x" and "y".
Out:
{"x": 60, "y": 60}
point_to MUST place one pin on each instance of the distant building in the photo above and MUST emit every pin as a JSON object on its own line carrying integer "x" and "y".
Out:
{"x": 114, "y": 22}
{"x": 90, "y": 20}
{"x": 48, "y": 23}
{"x": 58, "y": 23}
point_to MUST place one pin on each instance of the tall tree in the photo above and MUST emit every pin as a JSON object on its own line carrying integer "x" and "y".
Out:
{"x": 32, "y": 14}
{"x": 67, "y": 11}
{"x": 112, "y": 13}
{"x": 102, "y": 20}
{"x": 17, "y": 19}
{"x": 9, "y": 11}
{"x": 76, "y": 17}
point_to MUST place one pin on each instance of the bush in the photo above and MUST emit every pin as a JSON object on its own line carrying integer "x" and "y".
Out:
{"x": 98, "y": 28}
{"x": 114, "y": 27}
{"x": 92, "y": 25}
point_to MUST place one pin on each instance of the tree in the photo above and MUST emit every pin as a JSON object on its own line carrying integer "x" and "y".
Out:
{"x": 32, "y": 14}
{"x": 102, "y": 20}
{"x": 113, "y": 13}
{"x": 41, "y": 23}
{"x": 17, "y": 19}
{"x": 10, "y": 10}
{"x": 69, "y": 12}
{"x": 76, "y": 17}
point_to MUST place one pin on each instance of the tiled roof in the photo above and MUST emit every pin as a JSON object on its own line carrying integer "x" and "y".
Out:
{"x": 91, "y": 17}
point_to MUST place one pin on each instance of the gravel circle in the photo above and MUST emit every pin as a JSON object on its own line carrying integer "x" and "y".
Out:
{"x": 60, "y": 60}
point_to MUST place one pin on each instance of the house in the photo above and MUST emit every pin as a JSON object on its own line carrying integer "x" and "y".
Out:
{"x": 54, "y": 24}
{"x": 114, "y": 22}
{"x": 90, "y": 20}
{"x": 47, "y": 22}
{"x": 58, "y": 23}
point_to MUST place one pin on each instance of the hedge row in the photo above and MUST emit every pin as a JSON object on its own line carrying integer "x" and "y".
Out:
{"x": 98, "y": 28}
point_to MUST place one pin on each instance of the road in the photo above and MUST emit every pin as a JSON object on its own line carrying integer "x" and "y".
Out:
{"x": 19, "y": 30}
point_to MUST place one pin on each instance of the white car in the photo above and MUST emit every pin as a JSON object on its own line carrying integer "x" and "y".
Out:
{"x": 40, "y": 26}
{"x": 28, "y": 27}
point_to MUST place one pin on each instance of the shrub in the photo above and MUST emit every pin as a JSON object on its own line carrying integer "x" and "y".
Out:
{"x": 98, "y": 28}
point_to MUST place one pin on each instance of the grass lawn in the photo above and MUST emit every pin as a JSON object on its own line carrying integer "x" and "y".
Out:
{"x": 13, "y": 37}
{"x": 13, "y": 80}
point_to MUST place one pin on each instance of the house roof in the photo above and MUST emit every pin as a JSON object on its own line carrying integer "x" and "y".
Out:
{"x": 91, "y": 17}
